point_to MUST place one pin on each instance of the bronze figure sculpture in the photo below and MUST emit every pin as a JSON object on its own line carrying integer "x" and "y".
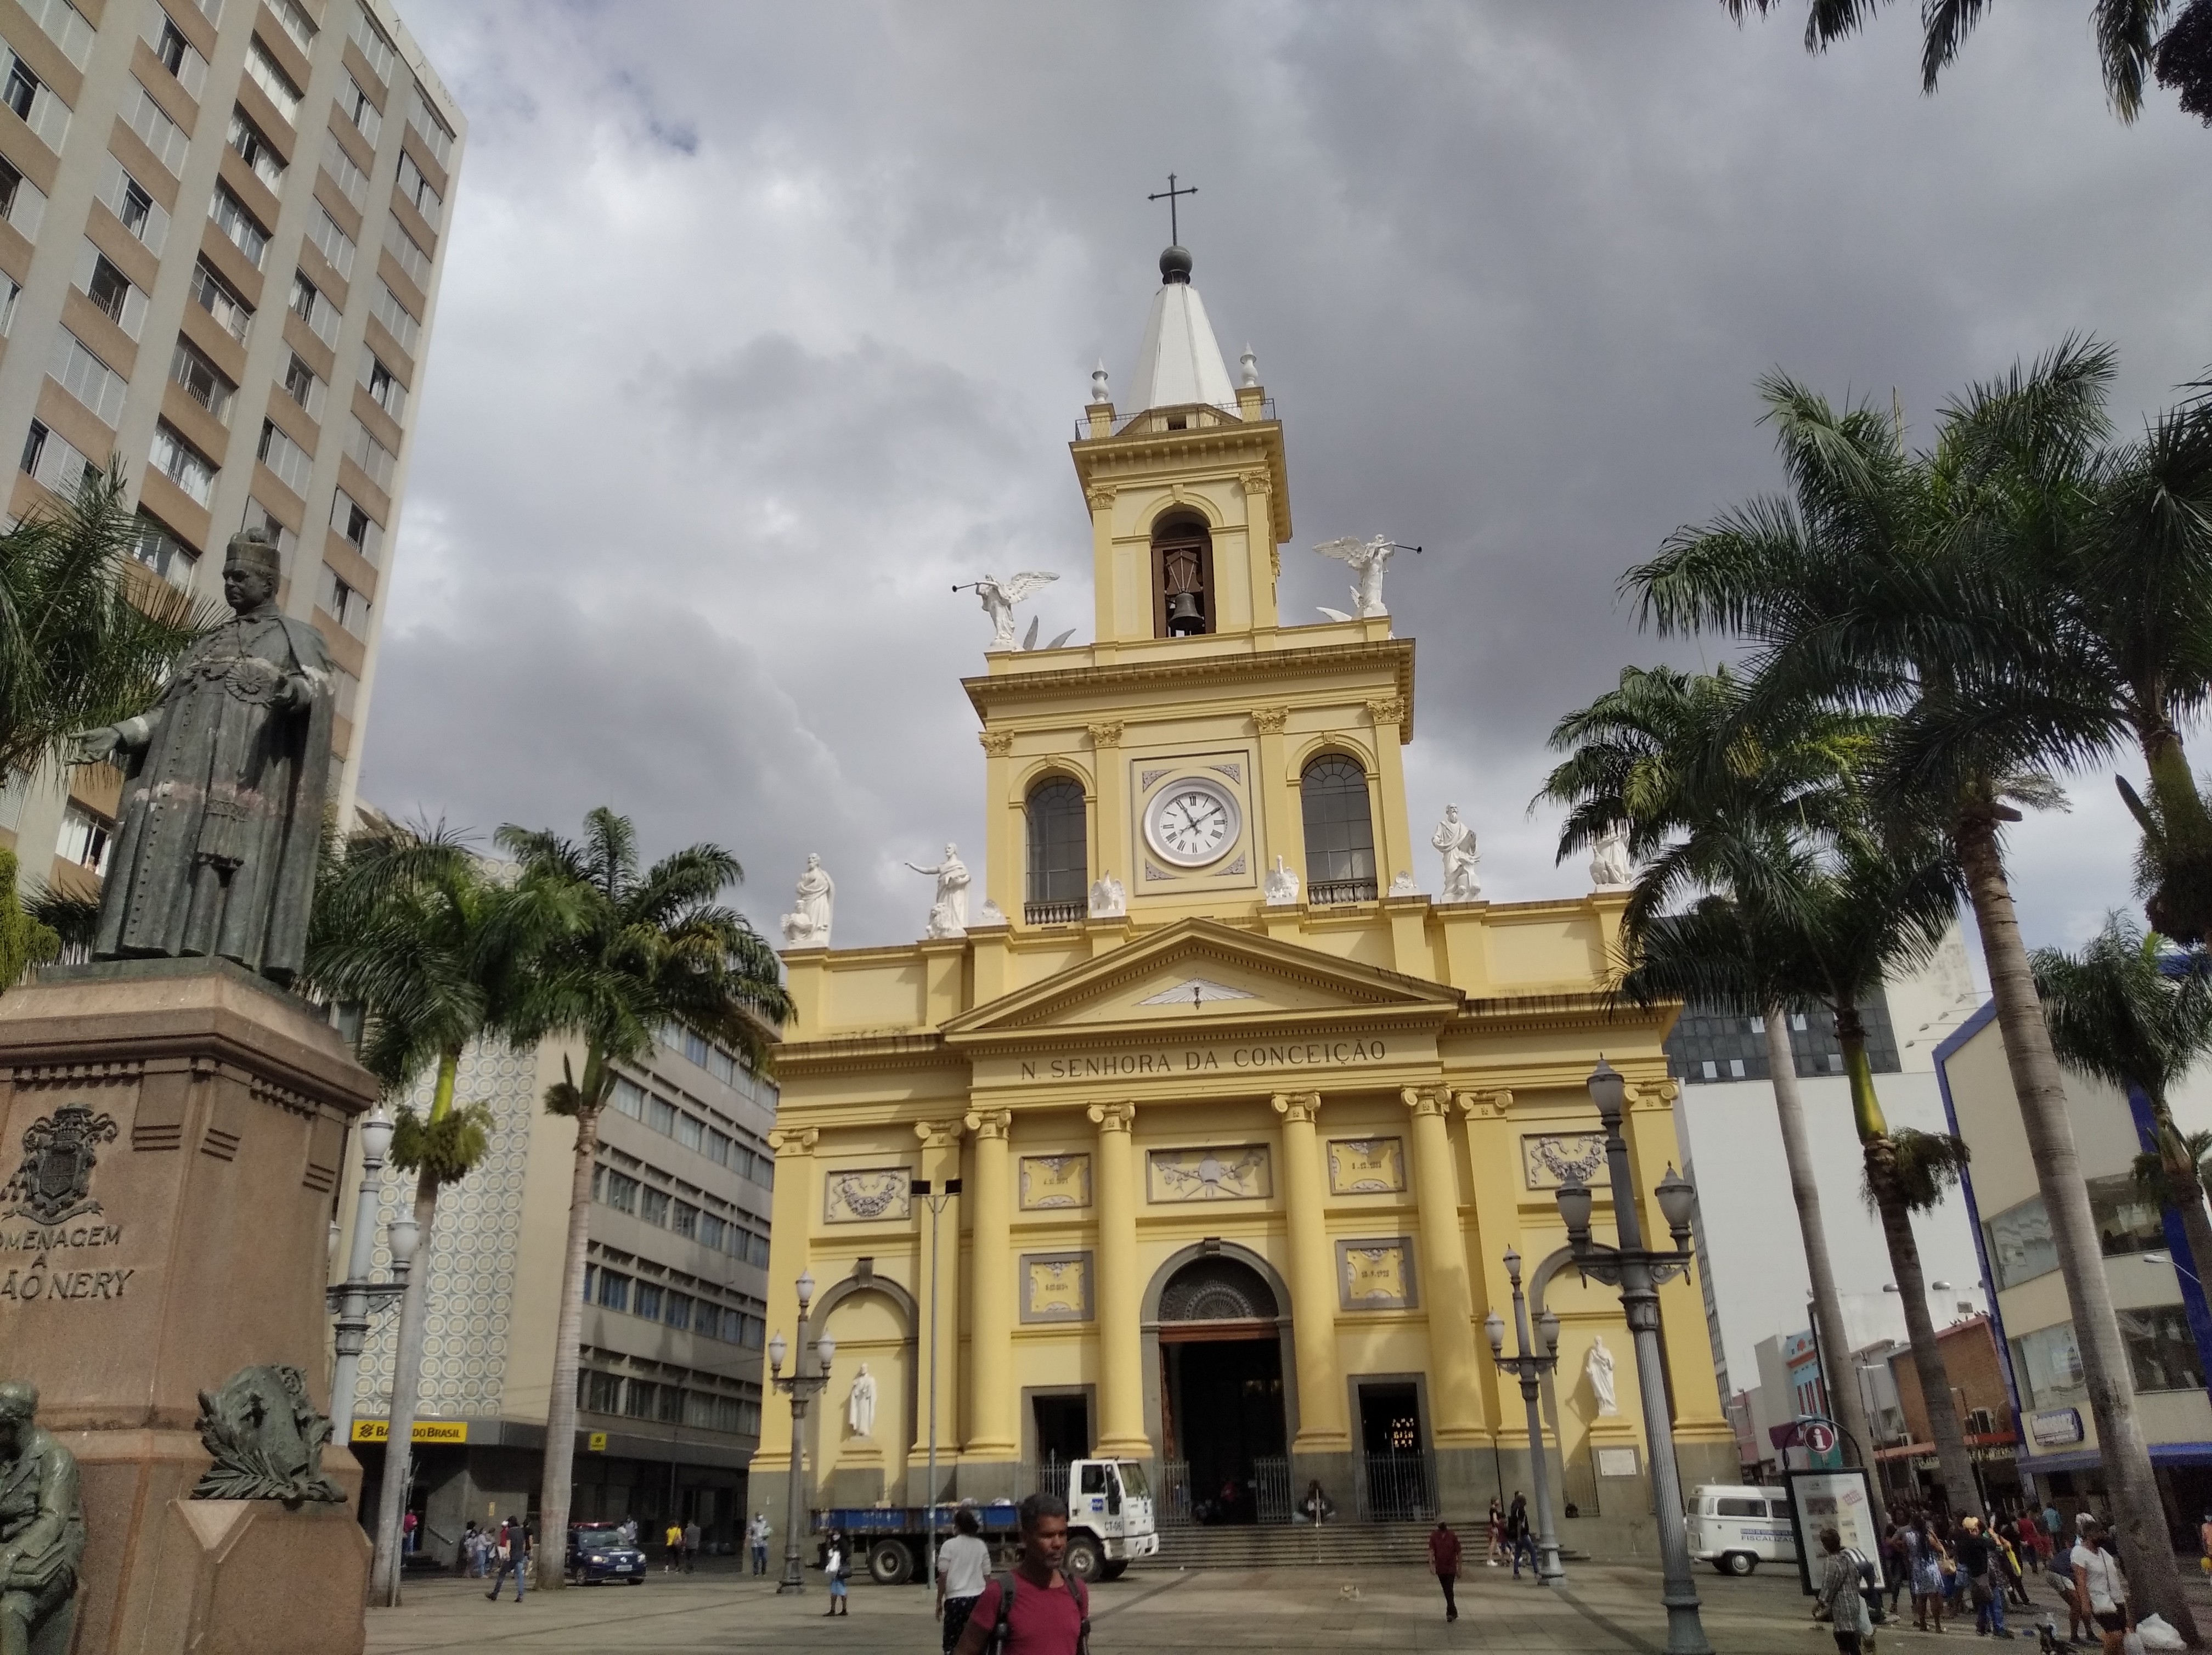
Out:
{"x": 41, "y": 1530}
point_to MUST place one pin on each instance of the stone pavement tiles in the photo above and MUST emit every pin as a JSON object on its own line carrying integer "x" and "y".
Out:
{"x": 1605, "y": 1610}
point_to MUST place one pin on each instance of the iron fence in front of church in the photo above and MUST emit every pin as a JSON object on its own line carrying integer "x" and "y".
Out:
{"x": 1393, "y": 1488}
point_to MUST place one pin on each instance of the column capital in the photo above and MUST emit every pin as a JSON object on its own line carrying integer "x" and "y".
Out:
{"x": 1301, "y": 1107}
{"x": 997, "y": 743}
{"x": 991, "y": 1123}
{"x": 938, "y": 1134}
{"x": 1114, "y": 1118}
{"x": 1105, "y": 735}
{"x": 1652, "y": 1094}
{"x": 793, "y": 1139}
{"x": 1270, "y": 720}
{"x": 1485, "y": 1106}
{"x": 1390, "y": 710}
{"x": 1426, "y": 1100}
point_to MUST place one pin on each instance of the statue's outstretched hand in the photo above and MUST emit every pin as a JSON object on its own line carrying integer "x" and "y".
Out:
{"x": 93, "y": 746}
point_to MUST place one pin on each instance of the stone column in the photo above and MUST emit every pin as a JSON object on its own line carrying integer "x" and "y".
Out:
{"x": 939, "y": 1334}
{"x": 1321, "y": 1429}
{"x": 1116, "y": 1292}
{"x": 1455, "y": 1374}
{"x": 1393, "y": 837}
{"x": 991, "y": 1433}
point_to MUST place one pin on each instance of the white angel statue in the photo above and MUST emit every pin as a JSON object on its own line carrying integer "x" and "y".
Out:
{"x": 999, "y": 598}
{"x": 1366, "y": 559}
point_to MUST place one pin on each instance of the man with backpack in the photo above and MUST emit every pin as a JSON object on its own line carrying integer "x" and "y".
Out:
{"x": 1038, "y": 1608}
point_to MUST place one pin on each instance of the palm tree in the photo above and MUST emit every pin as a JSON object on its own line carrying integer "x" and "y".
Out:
{"x": 1708, "y": 805}
{"x": 411, "y": 926}
{"x": 86, "y": 632}
{"x": 1897, "y": 580}
{"x": 638, "y": 952}
{"x": 2118, "y": 1013}
{"x": 2134, "y": 41}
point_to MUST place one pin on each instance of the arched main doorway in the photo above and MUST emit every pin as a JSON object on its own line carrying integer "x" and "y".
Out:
{"x": 1222, "y": 1387}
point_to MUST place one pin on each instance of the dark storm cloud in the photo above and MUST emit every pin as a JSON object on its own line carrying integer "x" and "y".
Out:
{"x": 711, "y": 425}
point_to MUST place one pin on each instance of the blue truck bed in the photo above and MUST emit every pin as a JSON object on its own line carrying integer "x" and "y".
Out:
{"x": 909, "y": 1519}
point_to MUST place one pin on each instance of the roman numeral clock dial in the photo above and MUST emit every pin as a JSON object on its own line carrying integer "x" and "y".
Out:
{"x": 1192, "y": 822}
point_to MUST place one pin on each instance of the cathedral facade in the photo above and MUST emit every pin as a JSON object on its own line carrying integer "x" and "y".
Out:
{"x": 1243, "y": 1125}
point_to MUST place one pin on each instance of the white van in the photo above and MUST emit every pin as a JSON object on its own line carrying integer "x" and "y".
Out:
{"x": 1736, "y": 1528}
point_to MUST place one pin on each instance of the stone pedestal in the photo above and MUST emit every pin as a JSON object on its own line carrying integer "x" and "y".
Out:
{"x": 858, "y": 1477}
{"x": 216, "y": 1108}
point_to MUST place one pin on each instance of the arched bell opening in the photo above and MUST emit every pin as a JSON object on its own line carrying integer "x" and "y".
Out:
{"x": 1182, "y": 577}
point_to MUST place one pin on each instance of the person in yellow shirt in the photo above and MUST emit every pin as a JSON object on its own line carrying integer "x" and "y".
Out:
{"x": 675, "y": 1538}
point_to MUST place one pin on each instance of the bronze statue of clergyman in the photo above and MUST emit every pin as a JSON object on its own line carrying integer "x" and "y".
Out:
{"x": 41, "y": 1530}
{"x": 223, "y": 792}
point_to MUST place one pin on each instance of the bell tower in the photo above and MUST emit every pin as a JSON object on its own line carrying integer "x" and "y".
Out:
{"x": 1198, "y": 758}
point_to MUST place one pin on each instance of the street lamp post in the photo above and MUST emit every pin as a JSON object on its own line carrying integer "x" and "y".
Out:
{"x": 1530, "y": 1368}
{"x": 801, "y": 1387}
{"x": 1638, "y": 1272}
{"x": 357, "y": 1298}
{"x": 937, "y": 1196}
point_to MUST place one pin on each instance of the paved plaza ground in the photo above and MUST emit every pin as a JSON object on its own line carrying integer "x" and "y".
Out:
{"x": 1604, "y": 1611}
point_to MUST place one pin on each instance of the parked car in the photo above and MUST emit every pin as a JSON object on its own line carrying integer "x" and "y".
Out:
{"x": 598, "y": 1552}
{"x": 1736, "y": 1528}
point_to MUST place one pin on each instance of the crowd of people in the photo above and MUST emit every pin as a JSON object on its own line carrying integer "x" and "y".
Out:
{"x": 1948, "y": 1565}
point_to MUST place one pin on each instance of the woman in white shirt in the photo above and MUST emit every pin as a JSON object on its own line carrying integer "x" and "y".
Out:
{"x": 2100, "y": 1589}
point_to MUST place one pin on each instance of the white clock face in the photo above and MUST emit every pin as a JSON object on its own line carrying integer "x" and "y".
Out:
{"x": 1192, "y": 822}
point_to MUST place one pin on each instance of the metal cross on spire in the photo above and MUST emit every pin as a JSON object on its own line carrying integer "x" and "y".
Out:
{"x": 1169, "y": 195}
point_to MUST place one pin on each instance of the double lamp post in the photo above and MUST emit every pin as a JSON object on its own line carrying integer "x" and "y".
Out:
{"x": 802, "y": 1387}
{"x": 1639, "y": 1273}
{"x": 357, "y": 1298}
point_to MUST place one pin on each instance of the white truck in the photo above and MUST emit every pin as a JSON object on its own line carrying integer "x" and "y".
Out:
{"x": 1110, "y": 1525}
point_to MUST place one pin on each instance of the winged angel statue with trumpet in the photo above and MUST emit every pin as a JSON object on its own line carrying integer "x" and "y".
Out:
{"x": 1366, "y": 559}
{"x": 999, "y": 598}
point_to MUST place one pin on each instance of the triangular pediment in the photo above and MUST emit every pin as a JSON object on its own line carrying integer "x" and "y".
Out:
{"x": 1200, "y": 972}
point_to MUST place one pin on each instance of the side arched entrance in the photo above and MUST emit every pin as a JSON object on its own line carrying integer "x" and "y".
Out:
{"x": 1219, "y": 1381}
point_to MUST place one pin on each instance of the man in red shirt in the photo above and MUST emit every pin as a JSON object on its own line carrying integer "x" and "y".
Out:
{"x": 1050, "y": 1613}
{"x": 1444, "y": 1558}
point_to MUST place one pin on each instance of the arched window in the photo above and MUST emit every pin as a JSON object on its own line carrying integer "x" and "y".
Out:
{"x": 1058, "y": 868}
{"x": 1339, "y": 834}
{"x": 1183, "y": 578}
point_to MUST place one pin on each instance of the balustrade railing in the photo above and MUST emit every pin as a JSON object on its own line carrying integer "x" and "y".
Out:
{"x": 1323, "y": 892}
{"x": 1053, "y": 913}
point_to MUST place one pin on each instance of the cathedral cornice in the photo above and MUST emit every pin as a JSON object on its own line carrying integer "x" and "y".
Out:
{"x": 1226, "y": 675}
{"x": 1142, "y": 455}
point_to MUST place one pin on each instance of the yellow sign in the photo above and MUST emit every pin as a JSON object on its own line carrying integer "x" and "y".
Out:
{"x": 425, "y": 1430}
{"x": 598, "y": 1442}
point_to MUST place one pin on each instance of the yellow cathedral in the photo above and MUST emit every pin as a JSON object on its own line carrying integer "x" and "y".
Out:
{"x": 1244, "y": 1125}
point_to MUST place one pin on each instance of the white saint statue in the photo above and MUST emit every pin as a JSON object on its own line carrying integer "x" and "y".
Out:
{"x": 1599, "y": 1368}
{"x": 1455, "y": 839}
{"x": 807, "y": 926}
{"x": 1281, "y": 886}
{"x": 861, "y": 1406}
{"x": 1108, "y": 901}
{"x": 999, "y": 598}
{"x": 1366, "y": 559}
{"x": 948, "y": 914}
{"x": 1610, "y": 866}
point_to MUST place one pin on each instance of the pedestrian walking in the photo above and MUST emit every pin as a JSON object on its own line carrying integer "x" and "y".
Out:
{"x": 1896, "y": 1566}
{"x": 2102, "y": 1588}
{"x": 1496, "y": 1527}
{"x": 756, "y": 1535}
{"x": 674, "y": 1541}
{"x": 1517, "y": 1535}
{"x": 1926, "y": 1560}
{"x": 837, "y": 1557}
{"x": 1839, "y": 1595}
{"x": 964, "y": 1569}
{"x": 1037, "y": 1608}
{"x": 692, "y": 1538}
{"x": 1978, "y": 1564}
{"x": 511, "y": 1549}
{"x": 1444, "y": 1559}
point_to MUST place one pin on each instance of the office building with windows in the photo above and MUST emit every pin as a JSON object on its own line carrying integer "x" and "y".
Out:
{"x": 222, "y": 233}
{"x": 2157, "y": 1286}
{"x": 675, "y": 1288}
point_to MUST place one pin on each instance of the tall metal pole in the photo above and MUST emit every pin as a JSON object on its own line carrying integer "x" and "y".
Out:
{"x": 936, "y": 1197}
{"x": 801, "y": 1387}
{"x": 1549, "y": 1569}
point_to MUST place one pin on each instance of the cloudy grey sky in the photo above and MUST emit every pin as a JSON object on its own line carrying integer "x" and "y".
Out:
{"x": 763, "y": 324}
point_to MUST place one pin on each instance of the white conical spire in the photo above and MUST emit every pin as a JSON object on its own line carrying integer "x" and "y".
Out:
{"x": 1179, "y": 359}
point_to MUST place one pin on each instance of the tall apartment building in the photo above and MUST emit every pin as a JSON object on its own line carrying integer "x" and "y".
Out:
{"x": 675, "y": 1291}
{"x": 222, "y": 231}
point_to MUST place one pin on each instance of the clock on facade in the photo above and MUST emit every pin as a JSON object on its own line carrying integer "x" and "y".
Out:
{"x": 1191, "y": 823}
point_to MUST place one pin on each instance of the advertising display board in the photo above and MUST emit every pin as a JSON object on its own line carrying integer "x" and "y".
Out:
{"x": 1839, "y": 1499}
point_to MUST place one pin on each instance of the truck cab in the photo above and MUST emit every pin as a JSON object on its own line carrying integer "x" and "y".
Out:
{"x": 1109, "y": 1517}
